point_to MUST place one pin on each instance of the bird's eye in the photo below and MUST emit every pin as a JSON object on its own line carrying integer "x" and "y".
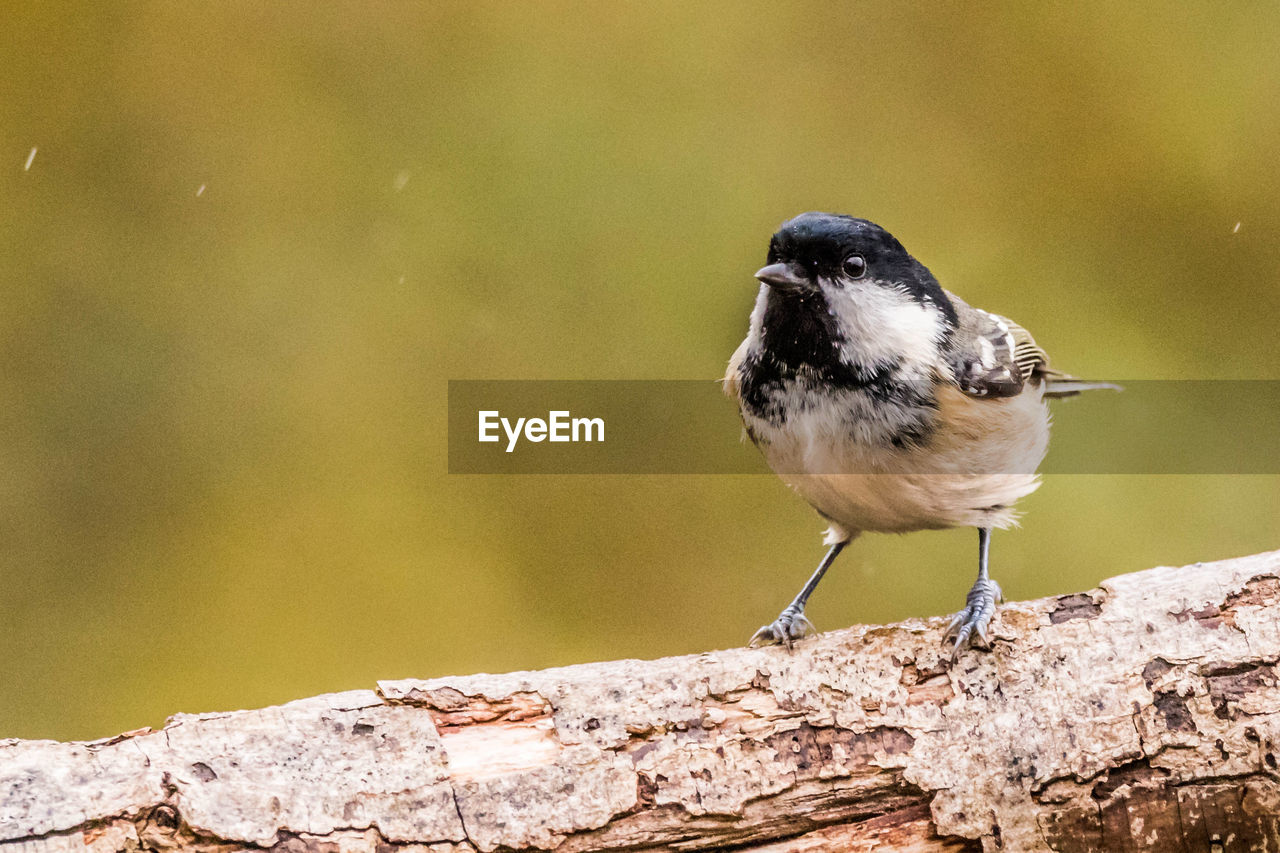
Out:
{"x": 854, "y": 266}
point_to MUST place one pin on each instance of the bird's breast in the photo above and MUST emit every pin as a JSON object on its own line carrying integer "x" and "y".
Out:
{"x": 932, "y": 460}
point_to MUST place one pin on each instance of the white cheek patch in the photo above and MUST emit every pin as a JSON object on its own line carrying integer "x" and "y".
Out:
{"x": 882, "y": 324}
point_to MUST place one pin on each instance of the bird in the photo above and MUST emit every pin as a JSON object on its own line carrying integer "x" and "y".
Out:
{"x": 887, "y": 403}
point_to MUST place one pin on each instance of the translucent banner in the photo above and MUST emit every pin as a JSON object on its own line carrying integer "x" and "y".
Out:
{"x": 691, "y": 427}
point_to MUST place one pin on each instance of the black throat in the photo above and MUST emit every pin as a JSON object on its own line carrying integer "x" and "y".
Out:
{"x": 800, "y": 345}
{"x": 799, "y": 332}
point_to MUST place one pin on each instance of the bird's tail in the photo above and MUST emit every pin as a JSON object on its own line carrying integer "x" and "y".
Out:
{"x": 1065, "y": 386}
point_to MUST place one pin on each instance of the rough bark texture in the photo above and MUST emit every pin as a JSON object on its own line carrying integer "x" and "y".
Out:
{"x": 1144, "y": 714}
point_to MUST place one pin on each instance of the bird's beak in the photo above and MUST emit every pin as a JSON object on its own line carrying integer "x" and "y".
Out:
{"x": 788, "y": 276}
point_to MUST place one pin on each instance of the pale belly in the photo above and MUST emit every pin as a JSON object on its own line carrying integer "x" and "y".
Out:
{"x": 969, "y": 474}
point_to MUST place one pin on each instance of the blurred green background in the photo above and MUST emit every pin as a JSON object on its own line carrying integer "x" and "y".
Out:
{"x": 223, "y": 432}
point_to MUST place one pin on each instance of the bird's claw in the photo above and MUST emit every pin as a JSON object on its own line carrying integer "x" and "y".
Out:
{"x": 973, "y": 621}
{"x": 791, "y": 625}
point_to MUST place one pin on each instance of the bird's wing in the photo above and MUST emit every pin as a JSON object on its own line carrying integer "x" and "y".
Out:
{"x": 992, "y": 356}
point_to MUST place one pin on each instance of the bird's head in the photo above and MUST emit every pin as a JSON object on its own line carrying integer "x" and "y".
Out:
{"x": 840, "y": 287}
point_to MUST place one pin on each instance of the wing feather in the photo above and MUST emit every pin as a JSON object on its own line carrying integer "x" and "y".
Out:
{"x": 992, "y": 356}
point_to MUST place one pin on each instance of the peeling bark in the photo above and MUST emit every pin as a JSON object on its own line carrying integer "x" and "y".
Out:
{"x": 1142, "y": 715}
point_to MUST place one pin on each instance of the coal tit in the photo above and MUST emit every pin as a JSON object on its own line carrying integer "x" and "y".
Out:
{"x": 886, "y": 402}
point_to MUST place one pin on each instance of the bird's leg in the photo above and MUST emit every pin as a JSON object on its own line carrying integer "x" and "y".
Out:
{"x": 791, "y": 623}
{"x": 980, "y": 605}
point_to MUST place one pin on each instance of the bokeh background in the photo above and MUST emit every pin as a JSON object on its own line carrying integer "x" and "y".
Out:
{"x": 222, "y": 442}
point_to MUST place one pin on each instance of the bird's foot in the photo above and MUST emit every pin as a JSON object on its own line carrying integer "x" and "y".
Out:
{"x": 791, "y": 625}
{"x": 973, "y": 620}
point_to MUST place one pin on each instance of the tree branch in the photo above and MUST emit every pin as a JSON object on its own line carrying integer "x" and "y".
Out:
{"x": 1144, "y": 714}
